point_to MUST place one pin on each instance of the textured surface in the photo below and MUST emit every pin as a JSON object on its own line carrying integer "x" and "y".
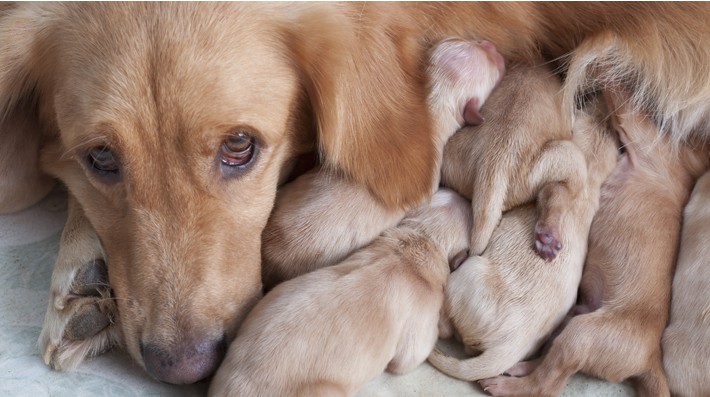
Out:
{"x": 28, "y": 246}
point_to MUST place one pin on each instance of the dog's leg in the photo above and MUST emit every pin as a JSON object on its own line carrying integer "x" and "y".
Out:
{"x": 599, "y": 344}
{"x": 487, "y": 200}
{"x": 79, "y": 319}
{"x": 653, "y": 382}
{"x": 557, "y": 174}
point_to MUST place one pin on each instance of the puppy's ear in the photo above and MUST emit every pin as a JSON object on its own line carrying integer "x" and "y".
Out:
{"x": 367, "y": 89}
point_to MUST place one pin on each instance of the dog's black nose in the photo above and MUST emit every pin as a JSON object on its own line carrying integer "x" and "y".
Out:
{"x": 186, "y": 363}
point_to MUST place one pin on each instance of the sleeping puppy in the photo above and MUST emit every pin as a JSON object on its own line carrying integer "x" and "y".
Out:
{"x": 320, "y": 218}
{"x": 506, "y": 302}
{"x": 512, "y": 158}
{"x": 686, "y": 341}
{"x": 626, "y": 283}
{"x": 330, "y": 331}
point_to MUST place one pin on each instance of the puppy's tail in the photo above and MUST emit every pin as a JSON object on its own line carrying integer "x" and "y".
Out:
{"x": 490, "y": 363}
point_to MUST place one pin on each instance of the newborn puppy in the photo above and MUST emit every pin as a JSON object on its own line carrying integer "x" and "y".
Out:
{"x": 513, "y": 157}
{"x": 328, "y": 332}
{"x": 626, "y": 283}
{"x": 320, "y": 218}
{"x": 686, "y": 341}
{"x": 507, "y": 302}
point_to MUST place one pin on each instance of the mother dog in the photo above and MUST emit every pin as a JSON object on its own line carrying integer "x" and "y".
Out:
{"x": 173, "y": 124}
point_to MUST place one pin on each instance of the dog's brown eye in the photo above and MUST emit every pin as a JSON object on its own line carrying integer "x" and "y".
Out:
{"x": 102, "y": 160}
{"x": 237, "y": 150}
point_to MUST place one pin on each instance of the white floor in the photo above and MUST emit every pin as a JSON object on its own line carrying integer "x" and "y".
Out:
{"x": 28, "y": 247}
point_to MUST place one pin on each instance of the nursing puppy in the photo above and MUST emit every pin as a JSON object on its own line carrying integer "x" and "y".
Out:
{"x": 513, "y": 158}
{"x": 320, "y": 218}
{"x": 686, "y": 341}
{"x": 626, "y": 283}
{"x": 507, "y": 302}
{"x": 328, "y": 332}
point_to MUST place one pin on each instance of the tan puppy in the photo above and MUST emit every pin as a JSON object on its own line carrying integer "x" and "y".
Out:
{"x": 508, "y": 301}
{"x": 320, "y": 218}
{"x": 512, "y": 158}
{"x": 328, "y": 332}
{"x": 626, "y": 284}
{"x": 686, "y": 341}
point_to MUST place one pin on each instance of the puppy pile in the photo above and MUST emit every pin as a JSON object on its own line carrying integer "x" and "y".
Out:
{"x": 557, "y": 245}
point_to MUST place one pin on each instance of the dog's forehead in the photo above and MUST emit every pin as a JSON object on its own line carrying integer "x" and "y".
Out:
{"x": 171, "y": 69}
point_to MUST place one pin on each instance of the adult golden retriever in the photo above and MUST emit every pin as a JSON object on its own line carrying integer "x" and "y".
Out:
{"x": 172, "y": 125}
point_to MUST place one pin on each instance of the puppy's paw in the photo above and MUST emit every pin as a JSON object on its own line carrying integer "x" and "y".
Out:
{"x": 547, "y": 242}
{"x": 500, "y": 386}
{"x": 80, "y": 317}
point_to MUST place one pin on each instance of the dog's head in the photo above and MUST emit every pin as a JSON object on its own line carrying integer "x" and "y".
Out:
{"x": 171, "y": 124}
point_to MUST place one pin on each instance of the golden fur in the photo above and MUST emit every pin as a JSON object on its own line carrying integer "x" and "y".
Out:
{"x": 328, "y": 332}
{"x": 320, "y": 218}
{"x": 626, "y": 283}
{"x": 514, "y": 156}
{"x": 164, "y": 84}
{"x": 686, "y": 341}
{"x": 506, "y": 303}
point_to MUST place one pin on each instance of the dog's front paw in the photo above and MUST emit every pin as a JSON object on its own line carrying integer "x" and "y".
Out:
{"x": 80, "y": 317}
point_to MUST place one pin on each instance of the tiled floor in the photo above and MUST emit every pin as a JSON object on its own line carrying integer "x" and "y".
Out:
{"x": 28, "y": 247}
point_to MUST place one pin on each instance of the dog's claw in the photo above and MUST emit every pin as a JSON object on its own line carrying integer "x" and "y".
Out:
{"x": 79, "y": 321}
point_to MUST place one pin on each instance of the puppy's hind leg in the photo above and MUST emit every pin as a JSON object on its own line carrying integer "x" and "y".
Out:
{"x": 653, "y": 382}
{"x": 79, "y": 319}
{"x": 487, "y": 201}
{"x": 557, "y": 176}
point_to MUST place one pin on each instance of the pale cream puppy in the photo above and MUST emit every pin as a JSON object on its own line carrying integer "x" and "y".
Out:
{"x": 507, "y": 302}
{"x": 330, "y": 331}
{"x": 686, "y": 341}
{"x": 625, "y": 290}
{"x": 320, "y": 217}
{"x": 512, "y": 158}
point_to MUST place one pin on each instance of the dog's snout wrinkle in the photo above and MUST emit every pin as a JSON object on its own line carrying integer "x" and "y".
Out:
{"x": 186, "y": 363}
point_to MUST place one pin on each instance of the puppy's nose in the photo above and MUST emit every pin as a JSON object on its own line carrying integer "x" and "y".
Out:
{"x": 187, "y": 363}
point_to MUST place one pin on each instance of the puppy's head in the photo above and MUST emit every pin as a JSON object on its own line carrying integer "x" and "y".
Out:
{"x": 171, "y": 124}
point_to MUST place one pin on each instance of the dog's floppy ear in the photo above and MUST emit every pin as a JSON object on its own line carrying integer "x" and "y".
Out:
{"x": 367, "y": 90}
{"x": 22, "y": 184}
{"x": 21, "y": 54}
